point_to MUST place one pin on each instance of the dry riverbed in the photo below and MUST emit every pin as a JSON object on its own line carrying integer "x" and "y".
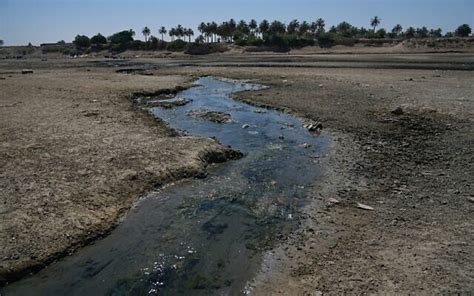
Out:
{"x": 75, "y": 156}
{"x": 402, "y": 146}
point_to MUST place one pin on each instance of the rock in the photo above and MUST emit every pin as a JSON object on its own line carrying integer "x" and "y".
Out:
{"x": 26, "y": 71}
{"x": 365, "y": 207}
{"x": 333, "y": 200}
{"x": 471, "y": 199}
{"x": 398, "y": 111}
{"x": 305, "y": 145}
{"x": 246, "y": 125}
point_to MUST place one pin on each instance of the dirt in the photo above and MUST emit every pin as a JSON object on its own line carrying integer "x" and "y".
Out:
{"x": 75, "y": 155}
{"x": 414, "y": 167}
{"x": 213, "y": 116}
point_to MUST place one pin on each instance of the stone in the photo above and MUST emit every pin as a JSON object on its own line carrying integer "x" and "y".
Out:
{"x": 398, "y": 111}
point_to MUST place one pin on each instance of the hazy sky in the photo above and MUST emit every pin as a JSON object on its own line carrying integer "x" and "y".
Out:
{"x": 38, "y": 21}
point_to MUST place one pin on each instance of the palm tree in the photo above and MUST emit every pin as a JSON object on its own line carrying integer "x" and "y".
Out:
{"x": 146, "y": 32}
{"x": 172, "y": 33}
{"x": 179, "y": 31}
{"x": 189, "y": 32}
{"x": 320, "y": 24}
{"x": 213, "y": 31}
{"x": 253, "y": 26}
{"x": 199, "y": 39}
{"x": 162, "y": 31}
{"x": 243, "y": 28}
{"x": 264, "y": 27}
{"x": 397, "y": 30}
{"x": 293, "y": 27}
{"x": 209, "y": 32}
{"x": 410, "y": 32}
{"x": 304, "y": 28}
{"x": 202, "y": 28}
{"x": 277, "y": 27}
{"x": 375, "y": 22}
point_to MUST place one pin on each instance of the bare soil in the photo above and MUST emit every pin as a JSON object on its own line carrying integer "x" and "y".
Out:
{"x": 75, "y": 155}
{"x": 414, "y": 167}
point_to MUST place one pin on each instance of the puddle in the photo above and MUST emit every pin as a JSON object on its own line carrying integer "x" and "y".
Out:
{"x": 203, "y": 236}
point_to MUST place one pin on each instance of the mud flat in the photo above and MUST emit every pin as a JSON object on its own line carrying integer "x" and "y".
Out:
{"x": 202, "y": 236}
{"x": 75, "y": 155}
{"x": 402, "y": 145}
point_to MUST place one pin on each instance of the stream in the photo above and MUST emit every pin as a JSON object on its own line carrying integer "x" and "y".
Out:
{"x": 201, "y": 236}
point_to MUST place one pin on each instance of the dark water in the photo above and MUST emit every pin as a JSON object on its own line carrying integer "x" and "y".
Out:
{"x": 202, "y": 236}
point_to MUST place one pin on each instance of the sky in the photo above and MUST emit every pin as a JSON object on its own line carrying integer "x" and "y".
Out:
{"x": 41, "y": 21}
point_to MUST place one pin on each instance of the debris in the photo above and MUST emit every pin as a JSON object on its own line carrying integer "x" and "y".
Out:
{"x": 333, "y": 200}
{"x": 471, "y": 199}
{"x": 313, "y": 127}
{"x": 305, "y": 145}
{"x": 365, "y": 207}
{"x": 26, "y": 71}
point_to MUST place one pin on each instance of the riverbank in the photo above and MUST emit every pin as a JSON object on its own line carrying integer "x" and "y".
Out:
{"x": 75, "y": 156}
{"x": 402, "y": 148}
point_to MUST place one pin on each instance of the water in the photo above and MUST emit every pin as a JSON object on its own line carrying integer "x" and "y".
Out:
{"x": 202, "y": 236}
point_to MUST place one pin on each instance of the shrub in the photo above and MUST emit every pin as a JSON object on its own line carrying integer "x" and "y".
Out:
{"x": 204, "y": 48}
{"x": 82, "y": 41}
{"x": 98, "y": 39}
{"x": 177, "y": 45}
{"x": 277, "y": 41}
{"x": 326, "y": 39}
{"x": 122, "y": 37}
{"x": 137, "y": 45}
{"x": 463, "y": 30}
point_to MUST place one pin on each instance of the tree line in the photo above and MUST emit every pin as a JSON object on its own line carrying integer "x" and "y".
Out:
{"x": 275, "y": 33}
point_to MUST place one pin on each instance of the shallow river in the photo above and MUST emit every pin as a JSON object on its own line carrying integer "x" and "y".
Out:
{"x": 201, "y": 236}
